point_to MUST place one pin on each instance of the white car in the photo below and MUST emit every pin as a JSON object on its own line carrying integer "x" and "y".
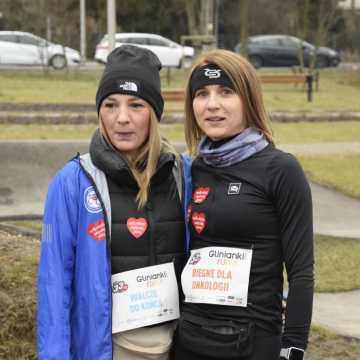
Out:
{"x": 22, "y": 48}
{"x": 169, "y": 52}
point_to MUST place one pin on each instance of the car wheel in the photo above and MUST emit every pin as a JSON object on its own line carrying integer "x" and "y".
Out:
{"x": 256, "y": 61}
{"x": 334, "y": 62}
{"x": 185, "y": 62}
{"x": 58, "y": 62}
{"x": 322, "y": 62}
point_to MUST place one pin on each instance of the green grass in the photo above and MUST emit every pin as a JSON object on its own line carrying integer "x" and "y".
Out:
{"x": 337, "y": 262}
{"x": 316, "y": 132}
{"x": 53, "y": 88}
{"x": 338, "y": 171}
{"x": 173, "y": 132}
{"x": 19, "y": 259}
{"x": 333, "y": 95}
{"x": 46, "y": 132}
{"x": 339, "y": 89}
{"x": 292, "y": 133}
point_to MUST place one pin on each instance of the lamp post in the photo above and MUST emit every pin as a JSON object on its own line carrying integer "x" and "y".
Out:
{"x": 82, "y": 31}
{"x": 111, "y": 23}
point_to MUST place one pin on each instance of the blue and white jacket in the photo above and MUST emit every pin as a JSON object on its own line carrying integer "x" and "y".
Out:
{"x": 75, "y": 259}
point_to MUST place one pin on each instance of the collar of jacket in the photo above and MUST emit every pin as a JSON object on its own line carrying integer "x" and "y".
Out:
{"x": 114, "y": 165}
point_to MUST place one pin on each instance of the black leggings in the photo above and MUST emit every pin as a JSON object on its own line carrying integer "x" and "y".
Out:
{"x": 265, "y": 348}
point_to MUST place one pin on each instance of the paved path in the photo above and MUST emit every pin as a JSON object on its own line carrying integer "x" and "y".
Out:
{"x": 27, "y": 167}
{"x": 339, "y": 312}
{"x": 335, "y": 214}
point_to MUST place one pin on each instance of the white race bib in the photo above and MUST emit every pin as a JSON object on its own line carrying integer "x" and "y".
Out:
{"x": 217, "y": 275}
{"x": 143, "y": 297}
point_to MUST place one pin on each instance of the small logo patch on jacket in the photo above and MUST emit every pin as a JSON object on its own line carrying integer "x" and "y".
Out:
{"x": 234, "y": 188}
{"x": 97, "y": 230}
{"x": 91, "y": 201}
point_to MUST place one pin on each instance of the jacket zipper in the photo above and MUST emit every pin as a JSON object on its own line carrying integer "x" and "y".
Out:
{"x": 107, "y": 234}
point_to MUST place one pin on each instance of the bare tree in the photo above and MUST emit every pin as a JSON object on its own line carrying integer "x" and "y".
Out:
{"x": 195, "y": 10}
{"x": 303, "y": 7}
{"x": 327, "y": 14}
{"x": 244, "y": 25}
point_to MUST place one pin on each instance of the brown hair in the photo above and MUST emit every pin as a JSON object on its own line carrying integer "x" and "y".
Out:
{"x": 247, "y": 86}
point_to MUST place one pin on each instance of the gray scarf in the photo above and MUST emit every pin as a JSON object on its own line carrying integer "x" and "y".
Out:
{"x": 247, "y": 143}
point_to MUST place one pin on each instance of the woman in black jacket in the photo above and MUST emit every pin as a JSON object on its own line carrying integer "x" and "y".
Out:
{"x": 250, "y": 214}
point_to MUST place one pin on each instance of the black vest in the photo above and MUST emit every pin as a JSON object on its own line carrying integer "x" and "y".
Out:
{"x": 154, "y": 234}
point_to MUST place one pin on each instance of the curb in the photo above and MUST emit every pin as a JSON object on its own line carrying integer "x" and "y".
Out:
{"x": 90, "y": 117}
{"x": 68, "y": 118}
{"x": 19, "y": 230}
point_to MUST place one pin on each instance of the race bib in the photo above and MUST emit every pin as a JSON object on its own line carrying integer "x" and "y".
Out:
{"x": 217, "y": 275}
{"x": 143, "y": 297}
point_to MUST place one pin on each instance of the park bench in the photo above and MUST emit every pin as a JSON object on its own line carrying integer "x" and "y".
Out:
{"x": 177, "y": 95}
{"x": 306, "y": 80}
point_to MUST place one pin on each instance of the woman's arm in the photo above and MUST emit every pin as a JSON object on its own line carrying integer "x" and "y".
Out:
{"x": 56, "y": 269}
{"x": 292, "y": 197}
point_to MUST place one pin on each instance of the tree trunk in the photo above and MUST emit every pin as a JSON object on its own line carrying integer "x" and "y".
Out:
{"x": 193, "y": 9}
{"x": 244, "y": 14}
{"x": 303, "y": 11}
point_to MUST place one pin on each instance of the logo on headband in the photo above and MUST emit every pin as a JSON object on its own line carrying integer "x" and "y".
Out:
{"x": 128, "y": 86}
{"x": 212, "y": 73}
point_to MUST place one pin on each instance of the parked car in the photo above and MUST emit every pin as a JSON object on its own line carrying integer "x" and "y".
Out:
{"x": 169, "y": 52}
{"x": 22, "y": 48}
{"x": 283, "y": 50}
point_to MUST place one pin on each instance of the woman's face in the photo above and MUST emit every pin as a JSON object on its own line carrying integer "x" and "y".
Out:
{"x": 126, "y": 120}
{"x": 218, "y": 111}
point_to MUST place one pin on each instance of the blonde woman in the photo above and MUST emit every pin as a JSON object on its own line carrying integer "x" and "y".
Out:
{"x": 114, "y": 213}
{"x": 250, "y": 215}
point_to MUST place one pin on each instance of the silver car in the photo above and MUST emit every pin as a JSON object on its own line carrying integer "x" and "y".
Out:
{"x": 22, "y": 48}
{"x": 170, "y": 53}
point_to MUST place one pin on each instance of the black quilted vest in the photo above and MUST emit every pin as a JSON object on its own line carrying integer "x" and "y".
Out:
{"x": 152, "y": 235}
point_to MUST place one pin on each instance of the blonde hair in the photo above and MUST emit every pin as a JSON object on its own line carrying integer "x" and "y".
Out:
{"x": 143, "y": 165}
{"x": 247, "y": 86}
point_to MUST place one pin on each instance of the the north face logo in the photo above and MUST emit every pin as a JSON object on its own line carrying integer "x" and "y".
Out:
{"x": 128, "y": 86}
{"x": 212, "y": 73}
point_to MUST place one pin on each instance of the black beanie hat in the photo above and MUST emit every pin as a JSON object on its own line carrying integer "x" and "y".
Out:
{"x": 132, "y": 70}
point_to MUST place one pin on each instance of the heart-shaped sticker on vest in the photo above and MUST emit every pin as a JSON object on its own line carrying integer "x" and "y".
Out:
{"x": 200, "y": 194}
{"x": 198, "y": 220}
{"x": 136, "y": 226}
{"x": 97, "y": 230}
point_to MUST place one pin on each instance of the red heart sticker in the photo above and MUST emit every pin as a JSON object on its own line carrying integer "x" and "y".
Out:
{"x": 97, "y": 230}
{"x": 136, "y": 226}
{"x": 200, "y": 194}
{"x": 198, "y": 220}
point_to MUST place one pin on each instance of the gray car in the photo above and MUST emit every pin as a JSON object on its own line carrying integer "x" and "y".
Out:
{"x": 284, "y": 50}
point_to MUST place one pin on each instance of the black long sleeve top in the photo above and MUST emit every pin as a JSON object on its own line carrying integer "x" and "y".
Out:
{"x": 272, "y": 214}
